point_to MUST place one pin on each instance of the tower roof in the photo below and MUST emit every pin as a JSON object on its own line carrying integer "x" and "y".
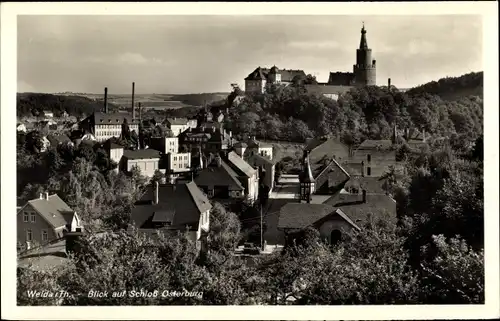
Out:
{"x": 363, "y": 44}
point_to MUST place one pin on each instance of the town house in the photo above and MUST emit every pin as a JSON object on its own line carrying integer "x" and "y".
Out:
{"x": 44, "y": 220}
{"x": 248, "y": 176}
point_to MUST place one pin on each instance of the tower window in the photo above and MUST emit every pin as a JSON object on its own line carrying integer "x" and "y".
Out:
{"x": 368, "y": 171}
{"x": 369, "y": 157}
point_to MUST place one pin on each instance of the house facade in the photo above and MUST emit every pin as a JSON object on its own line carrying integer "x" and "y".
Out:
{"x": 178, "y": 125}
{"x": 265, "y": 168}
{"x": 249, "y": 177}
{"x": 218, "y": 180}
{"x": 103, "y": 126}
{"x": 178, "y": 162}
{"x": 43, "y": 220}
{"x": 147, "y": 160}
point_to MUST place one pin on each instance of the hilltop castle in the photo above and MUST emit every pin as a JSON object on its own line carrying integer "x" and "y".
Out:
{"x": 364, "y": 74}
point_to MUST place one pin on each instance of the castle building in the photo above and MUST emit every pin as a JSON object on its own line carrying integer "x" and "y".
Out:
{"x": 364, "y": 74}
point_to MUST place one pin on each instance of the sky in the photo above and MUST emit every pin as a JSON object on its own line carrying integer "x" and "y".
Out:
{"x": 195, "y": 54}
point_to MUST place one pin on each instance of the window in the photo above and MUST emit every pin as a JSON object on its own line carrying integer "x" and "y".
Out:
{"x": 45, "y": 235}
{"x": 33, "y": 217}
{"x": 368, "y": 171}
{"x": 29, "y": 235}
{"x": 369, "y": 157}
{"x": 26, "y": 217}
{"x": 175, "y": 158}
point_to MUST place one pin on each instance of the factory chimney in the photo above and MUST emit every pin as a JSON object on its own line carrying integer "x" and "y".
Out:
{"x": 133, "y": 105}
{"x": 106, "y": 100}
{"x": 389, "y": 84}
{"x": 140, "y": 111}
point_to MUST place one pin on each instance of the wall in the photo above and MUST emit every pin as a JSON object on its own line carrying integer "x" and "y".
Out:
{"x": 116, "y": 154}
{"x": 147, "y": 166}
{"x": 379, "y": 163}
{"x": 255, "y": 86}
{"x": 178, "y": 161}
{"x": 266, "y": 151}
{"x": 171, "y": 145}
{"x": 336, "y": 223}
{"x": 36, "y": 227}
{"x": 178, "y": 129}
{"x": 104, "y": 132}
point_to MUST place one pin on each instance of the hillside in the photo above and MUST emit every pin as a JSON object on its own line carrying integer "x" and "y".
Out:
{"x": 452, "y": 88}
{"x": 33, "y": 104}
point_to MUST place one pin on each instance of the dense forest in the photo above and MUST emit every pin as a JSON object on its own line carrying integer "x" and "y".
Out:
{"x": 433, "y": 255}
{"x": 453, "y": 87}
{"x": 34, "y": 104}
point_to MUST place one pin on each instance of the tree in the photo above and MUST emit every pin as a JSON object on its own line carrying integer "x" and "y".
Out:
{"x": 224, "y": 230}
{"x": 31, "y": 280}
{"x": 158, "y": 177}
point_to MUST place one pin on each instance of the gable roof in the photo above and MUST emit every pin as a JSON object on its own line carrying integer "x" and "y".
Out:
{"x": 337, "y": 174}
{"x": 321, "y": 152}
{"x": 141, "y": 154}
{"x": 101, "y": 118}
{"x": 377, "y": 206}
{"x": 287, "y": 75}
{"x": 302, "y": 215}
{"x": 222, "y": 175}
{"x": 54, "y": 210}
{"x": 239, "y": 163}
{"x": 181, "y": 204}
{"x": 177, "y": 121}
{"x": 370, "y": 144}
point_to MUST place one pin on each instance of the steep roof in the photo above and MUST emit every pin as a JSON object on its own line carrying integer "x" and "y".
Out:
{"x": 257, "y": 74}
{"x": 259, "y": 159}
{"x": 341, "y": 78}
{"x": 322, "y": 151}
{"x": 177, "y": 121}
{"x": 101, "y": 118}
{"x": 337, "y": 174}
{"x": 54, "y": 210}
{"x": 182, "y": 204}
{"x": 221, "y": 175}
{"x": 141, "y": 154}
{"x": 239, "y": 163}
{"x": 301, "y": 215}
{"x": 377, "y": 206}
{"x": 370, "y": 144}
{"x": 286, "y": 74}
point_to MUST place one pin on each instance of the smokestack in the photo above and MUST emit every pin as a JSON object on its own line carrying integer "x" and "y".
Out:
{"x": 106, "y": 100}
{"x": 133, "y": 105}
{"x": 389, "y": 83}
{"x": 140, "y": 111}
{"x": 364, "y": 196}
{"x": 157, "y": 188}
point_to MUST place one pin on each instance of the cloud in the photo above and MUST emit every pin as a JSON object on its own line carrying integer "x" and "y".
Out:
{"x": 132, "y": 59}
{"x": 128, "y": 58}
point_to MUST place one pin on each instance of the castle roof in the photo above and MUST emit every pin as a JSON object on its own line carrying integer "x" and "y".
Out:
{"x": 363, "y": 43}
{"x": 286, "y": 74}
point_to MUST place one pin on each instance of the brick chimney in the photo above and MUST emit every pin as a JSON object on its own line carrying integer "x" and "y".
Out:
{"x": 156, "y": 191}
{"x": 106, "y": 100}
{"x": 364, "y": 196}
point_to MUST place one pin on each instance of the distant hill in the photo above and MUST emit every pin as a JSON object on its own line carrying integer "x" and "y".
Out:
{"x": 452, "y": 88}
{"x": 199, "y": 99}
{"x": 33, "y": 104}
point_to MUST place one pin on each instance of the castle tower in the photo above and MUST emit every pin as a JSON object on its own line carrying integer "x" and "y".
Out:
{"x": 365, "y": 67}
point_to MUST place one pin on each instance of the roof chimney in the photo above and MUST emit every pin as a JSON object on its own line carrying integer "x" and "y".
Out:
{"x": 157, "y": 188}
{"x": 133, "y": 105}
{"x": 106, "y": 100}
{"x": 364, "y": 196}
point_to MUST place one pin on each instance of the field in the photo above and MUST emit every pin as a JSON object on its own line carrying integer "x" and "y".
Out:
{"x": 161, "y": 101}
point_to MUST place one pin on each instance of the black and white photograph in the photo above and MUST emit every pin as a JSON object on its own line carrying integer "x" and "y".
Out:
{"x": 228, "y": 158}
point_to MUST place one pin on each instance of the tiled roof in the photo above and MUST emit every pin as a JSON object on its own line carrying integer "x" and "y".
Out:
{"x": 101, "y": 118}
{"x": 301, "y": 215}
{"x": 177, "y": 121}
{"x": 321, "y": 153}
{"x": 54, "y": 210}
{"x": 341, "y": 78}
{"x": 286, "y": 74}
{"x": 219, "y": 175}
{"x": 337, "y": 174}
{"x": 370, "y": 184}
{"x": 376, "y": 144}
{"x": 141, "y": 154}
{"x": 354, "y": 169}
{"x": 377, "y": 206}
{"x": 182, "y": 203}
{"x": 259, "y": 159}
{"x": 239, "y": 163}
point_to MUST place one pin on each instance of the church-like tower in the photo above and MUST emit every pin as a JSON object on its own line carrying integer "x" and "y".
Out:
{"x": 365, "y": 68}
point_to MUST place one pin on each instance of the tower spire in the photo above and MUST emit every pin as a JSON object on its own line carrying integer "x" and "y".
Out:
{"x": 363, "y": 44}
